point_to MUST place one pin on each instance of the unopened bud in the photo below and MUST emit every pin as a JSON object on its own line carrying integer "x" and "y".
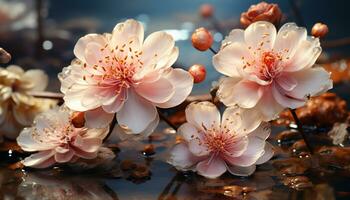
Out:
{"x": 206, "y": 10}
{"x": 78, "y": 119}
{"x": 261, "y": 12}
{"x": 202, "y": 39}
{"x": 319, "y": 30}
{"x": 198, "y": 73}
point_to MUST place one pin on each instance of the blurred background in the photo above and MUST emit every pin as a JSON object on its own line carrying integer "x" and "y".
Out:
{"x": 42, "y": 33}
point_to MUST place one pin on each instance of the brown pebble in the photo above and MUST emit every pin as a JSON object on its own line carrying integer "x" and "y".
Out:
{"x": 288, "y": 136}
{"x": 127, "y": 165}
{"x": 148, "y": 150}
{"x": 141, "y": 171}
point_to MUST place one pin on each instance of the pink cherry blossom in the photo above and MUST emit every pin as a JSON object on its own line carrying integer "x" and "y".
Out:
{"x": 269, "y": 71}
{"x": 120, "y": 73}
{"x": 56, "y": 140}
{"x": 212, "y": 146}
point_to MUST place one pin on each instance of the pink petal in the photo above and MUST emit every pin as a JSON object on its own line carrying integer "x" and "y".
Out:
{"x": 268, "y": 107}
{"x": 125, "y": 134}
{"x": 240, "y": 120}
{"x": 122, "y": 33}
{"x": 159, "y": 91}
{"x": 100, "y": 133}
{"x": 80, "y": 46}
{"x": 280, "y": 95}
{"x": 228, "y": 60}
{"x": 203, "y": 115}
{"x": 289, "y": 38}
{"x": 89, "y": 145}
{"x": 307, "y": 53}
{"x": 263, "y": 131}
{"x": 311, "y": 82}
{"x": 254, "y": 151}
{"x": 241, "y": 171}
{"x": 236, "y": 149}
{"x": 98, "y": 118}
{"x": 64, "y": 157}
{"x": 212, "y": 167}
{"x": 288, "y": 83}
{"x": 260, "y": 34}
{"x": 246, "y": 94}
{"x": 113, "y": 105}
{"x": 156, "y": 46}
{"x": 26, "y": 141}
{"x": 188, "y": 131}
{"x": 181, "y": 158}
{"x": 136, "y": 114}
{"x": 236, "y": 35}
{"x": 182, "y": 82}
{"x": 268, "y": 153}
{"x": 225, "y": 92}
{"x": 38, "y": 159}
{"x": 84, "y": 154}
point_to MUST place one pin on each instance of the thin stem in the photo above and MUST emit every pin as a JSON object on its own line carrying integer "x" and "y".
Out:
{"x": 111, "y": 127}
{"x": 166, "y": 120}
{"x": 301, "y": 131}
{"x": 212, "y": 50}
{"x": 48, "y": 95}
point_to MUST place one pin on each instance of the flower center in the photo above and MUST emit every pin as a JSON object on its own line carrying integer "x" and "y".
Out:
{"x": 269, "y": 65}
{"x": 116, "y": 67}
{"x": 218, "y": 140}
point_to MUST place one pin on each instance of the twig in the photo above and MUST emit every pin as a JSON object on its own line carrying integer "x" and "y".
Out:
{"x": 44, "y": 94}
{"x": 212, "y": 50}
{"x": 301, "y": 131}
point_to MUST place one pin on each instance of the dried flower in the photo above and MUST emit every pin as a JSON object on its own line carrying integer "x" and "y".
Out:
{"x": 202, "y": 39}
{"x": 270, "y": 71}
{"x": 261, "y": 12}
{"x": 236, "y": 142}
{"x": 119, "y": 73}
{"x": 198, "y": 72}
{"x": 319, "y": 30}
{"x": 56, "y": 140}
{"x": 17, "y": 108}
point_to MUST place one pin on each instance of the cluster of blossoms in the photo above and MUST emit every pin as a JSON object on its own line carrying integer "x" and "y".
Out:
{"x": 122, "y": 76}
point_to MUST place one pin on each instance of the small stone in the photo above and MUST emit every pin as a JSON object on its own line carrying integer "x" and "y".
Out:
{"x": 148, "y": 150}
{"x": 141, "y": 171}
{"x": 127, "y": 165}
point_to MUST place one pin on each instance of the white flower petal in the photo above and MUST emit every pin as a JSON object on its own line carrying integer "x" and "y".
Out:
{"x": 136, "y": 114}
{"x": 182, "y": 82}
{"x": 98, "y": 118}
{"x": 311, "y": 82}
{"x": 125, "y": 31}
{"x": 260, "y": 34}
{"x": 289, "y": 38}
{"x": 203, "y": 115}
{"x": 80, "y": 46}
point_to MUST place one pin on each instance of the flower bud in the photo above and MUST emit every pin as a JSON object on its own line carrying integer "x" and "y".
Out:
{"x": 5, "y": 57}
{"x": 198, "y": 72}
{"x": 206, "y": 10}
{"x": 319, "y": 30}
{"x": 202, "y": 39}
{"x": 261, "y": 12}
{"x": 78, "y": 119}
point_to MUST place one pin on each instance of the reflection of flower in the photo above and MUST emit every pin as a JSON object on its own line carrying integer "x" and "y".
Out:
{"x": 17, "y": 109}
{"x": 37, "y": 185}
{"x": 269, "y": 72}
{"x": 262, "y": 12}
{"x": 212, "y": 145}
{"x": 119, "y": 73}
{"x": 57, "y": 140}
